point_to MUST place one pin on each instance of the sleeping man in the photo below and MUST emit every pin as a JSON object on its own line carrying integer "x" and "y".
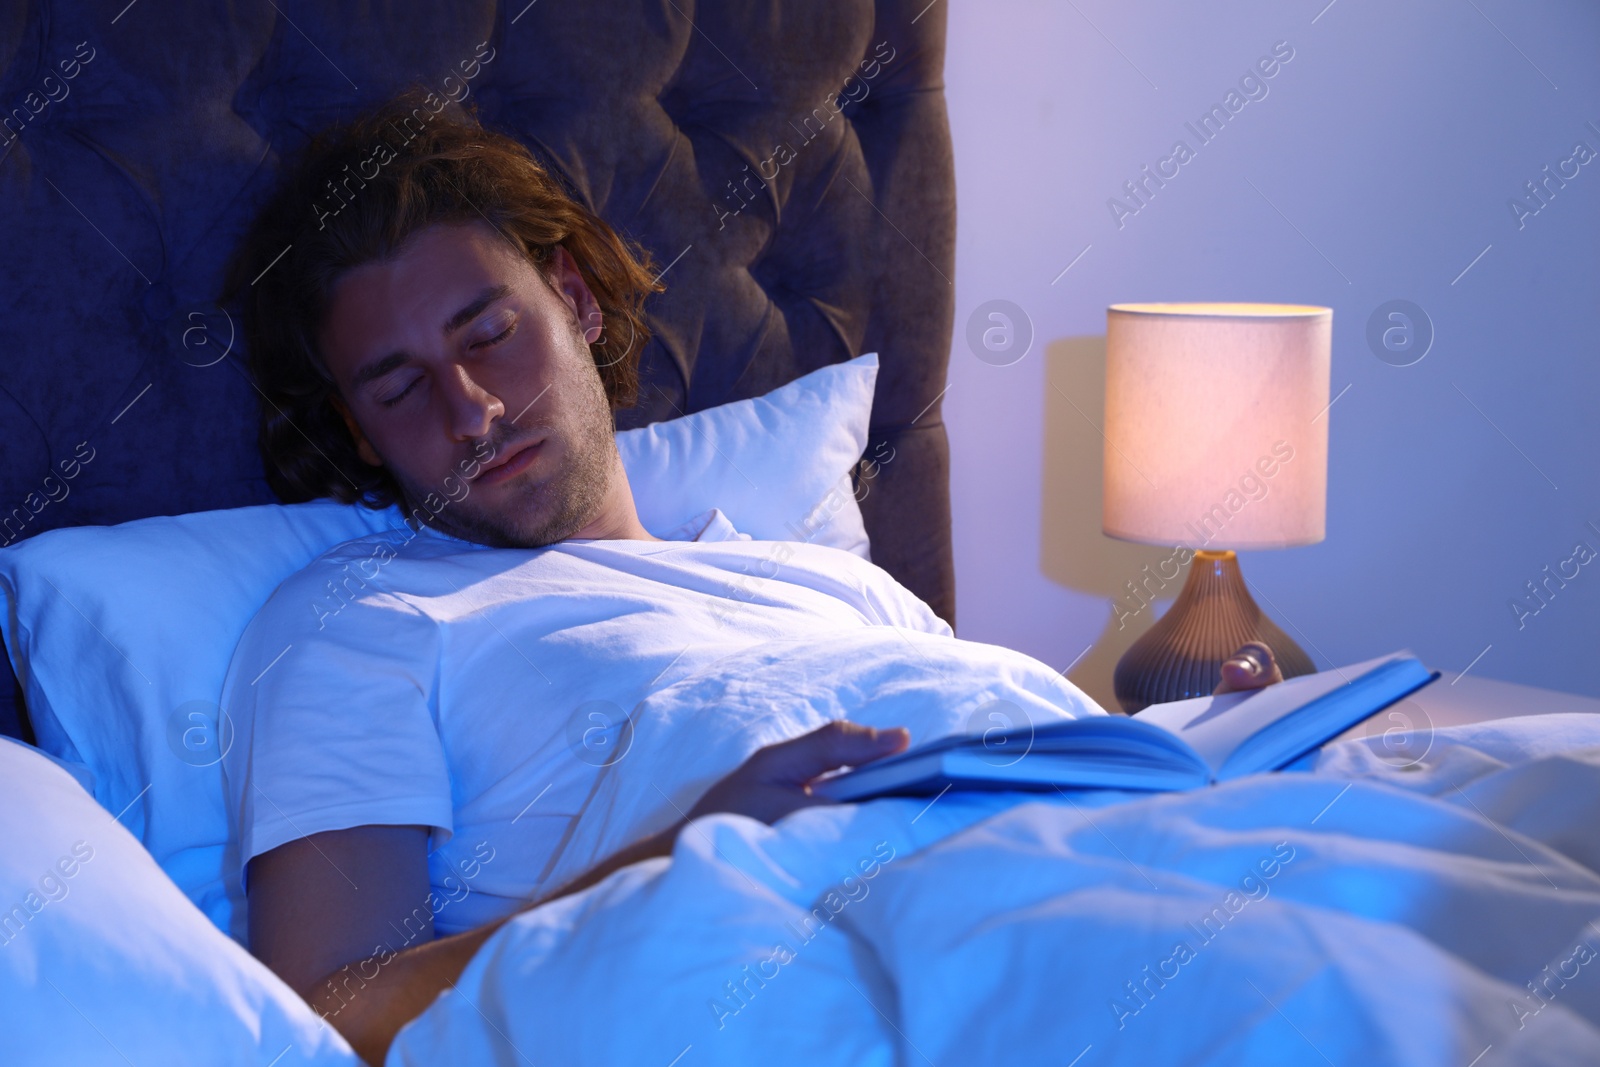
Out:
{"x": 459, "y": 321}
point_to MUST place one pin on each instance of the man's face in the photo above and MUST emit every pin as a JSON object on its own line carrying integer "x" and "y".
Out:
{"x": 467, "y": 374}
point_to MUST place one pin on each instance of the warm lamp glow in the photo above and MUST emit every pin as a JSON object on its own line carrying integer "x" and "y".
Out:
{"x": 1216, "y": 424}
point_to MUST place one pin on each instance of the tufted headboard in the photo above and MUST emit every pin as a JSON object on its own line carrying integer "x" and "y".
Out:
{"x": 786, "y": 162}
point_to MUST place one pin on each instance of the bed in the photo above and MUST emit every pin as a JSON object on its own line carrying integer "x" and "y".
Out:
{"x": 1353, "y": 910}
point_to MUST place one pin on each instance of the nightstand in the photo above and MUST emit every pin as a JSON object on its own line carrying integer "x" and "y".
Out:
{"x": 1454, "y": 700}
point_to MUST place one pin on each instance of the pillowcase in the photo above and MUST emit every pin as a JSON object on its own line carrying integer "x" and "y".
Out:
{"x": 153, "y": 608}
{"x": 121, "y": 637}
{"x": 102, "y": 960}
{"x": 778, "y": 465}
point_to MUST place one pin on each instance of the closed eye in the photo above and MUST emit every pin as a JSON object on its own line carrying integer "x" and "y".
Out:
{"x": 393, "y": 400}
{"x": 509, "y": 330}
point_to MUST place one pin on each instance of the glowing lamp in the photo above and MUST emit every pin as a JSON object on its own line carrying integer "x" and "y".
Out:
{"x": 1216, "y": 440}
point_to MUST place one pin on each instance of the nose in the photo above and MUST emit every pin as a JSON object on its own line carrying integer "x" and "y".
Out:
{"x": 471, "y": 408}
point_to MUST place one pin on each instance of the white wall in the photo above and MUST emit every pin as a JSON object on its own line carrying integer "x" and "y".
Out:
{"x": 1388, "y": 147}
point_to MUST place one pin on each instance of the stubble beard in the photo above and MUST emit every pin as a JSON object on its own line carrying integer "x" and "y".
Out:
{"x": 534, "y": 515}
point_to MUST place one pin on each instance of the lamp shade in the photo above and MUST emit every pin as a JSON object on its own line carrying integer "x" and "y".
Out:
{"x": 1217, "y": 424}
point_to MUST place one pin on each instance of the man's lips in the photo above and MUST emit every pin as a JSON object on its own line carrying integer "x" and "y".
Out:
{"x": 509, "y": 465}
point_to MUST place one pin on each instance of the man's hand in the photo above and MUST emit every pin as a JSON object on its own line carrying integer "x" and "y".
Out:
{"x": 1252, "y": 667}
{"x": 772, "y": 782}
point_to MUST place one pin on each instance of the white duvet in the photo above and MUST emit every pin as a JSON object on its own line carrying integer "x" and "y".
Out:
{"x": 1357, "y": 914}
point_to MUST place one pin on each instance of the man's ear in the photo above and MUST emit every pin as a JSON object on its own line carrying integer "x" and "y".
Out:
{"x": 569, "y": 284}
{"x": 364, "y": 448}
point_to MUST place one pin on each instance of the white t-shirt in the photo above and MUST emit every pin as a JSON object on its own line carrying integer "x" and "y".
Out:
{"x": 479, "y": 691}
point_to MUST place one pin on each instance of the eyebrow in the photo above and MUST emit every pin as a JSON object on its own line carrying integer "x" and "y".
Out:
{"x": 379, "y": 367}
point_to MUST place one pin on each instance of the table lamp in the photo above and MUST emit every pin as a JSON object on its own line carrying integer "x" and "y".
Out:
{"x": 1216, "y": 440}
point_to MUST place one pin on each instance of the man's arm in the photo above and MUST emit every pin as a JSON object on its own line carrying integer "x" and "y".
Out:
{"x": 339, "y": 915}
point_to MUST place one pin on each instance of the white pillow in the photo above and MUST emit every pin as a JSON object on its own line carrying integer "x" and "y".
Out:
{"x": 778, "y": 466}
{"x": 121, "y": 637}
{"x": 102, "y": 960}
{"x": 154, "y": 608}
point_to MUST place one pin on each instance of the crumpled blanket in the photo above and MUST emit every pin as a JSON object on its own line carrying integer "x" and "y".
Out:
{"x": 1362, "y": 911}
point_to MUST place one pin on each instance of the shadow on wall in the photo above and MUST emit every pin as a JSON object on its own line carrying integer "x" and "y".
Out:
{"x": 1072, "y": 550}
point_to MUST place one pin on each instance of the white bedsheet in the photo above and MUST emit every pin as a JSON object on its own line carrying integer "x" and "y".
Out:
{"x": 1358, "y": 914}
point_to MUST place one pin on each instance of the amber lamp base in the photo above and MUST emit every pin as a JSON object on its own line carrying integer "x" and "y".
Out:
{"x": 1181, "y": 655}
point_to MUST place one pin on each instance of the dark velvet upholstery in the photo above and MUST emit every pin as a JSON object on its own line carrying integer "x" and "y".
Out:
{"x": 124, "y": 187}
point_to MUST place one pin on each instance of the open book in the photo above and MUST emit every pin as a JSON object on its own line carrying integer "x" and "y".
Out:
{"x": 1182, "y": 745}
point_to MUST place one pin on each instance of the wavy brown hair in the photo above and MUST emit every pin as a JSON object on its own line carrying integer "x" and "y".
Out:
{"x": 355, "y": 195}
